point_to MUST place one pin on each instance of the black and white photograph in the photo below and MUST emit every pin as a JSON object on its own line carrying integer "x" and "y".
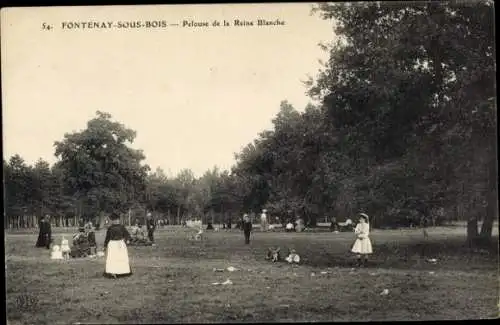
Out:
{"x": 250, "y": 163}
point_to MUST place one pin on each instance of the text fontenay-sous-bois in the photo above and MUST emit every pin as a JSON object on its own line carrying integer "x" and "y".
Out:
{"x": 159, "y": 24}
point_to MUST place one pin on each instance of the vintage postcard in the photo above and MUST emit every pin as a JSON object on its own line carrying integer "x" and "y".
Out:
{"x": 281, "y": 162}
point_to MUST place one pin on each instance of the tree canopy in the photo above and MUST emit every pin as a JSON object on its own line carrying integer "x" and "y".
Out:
{"x": 405, "y": 125}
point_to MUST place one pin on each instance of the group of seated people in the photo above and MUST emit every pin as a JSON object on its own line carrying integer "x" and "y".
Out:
{"x": 297, "y": 225}
{"x": 138, "y": 236}
{"x": 84, "y": 242}
{"x": 336, "y": 226}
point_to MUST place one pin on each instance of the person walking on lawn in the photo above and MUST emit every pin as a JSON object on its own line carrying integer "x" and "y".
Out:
{"x": 151, "y": 224}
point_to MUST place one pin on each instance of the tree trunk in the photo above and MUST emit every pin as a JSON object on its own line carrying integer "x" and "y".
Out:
{"x": 492, "y": 203}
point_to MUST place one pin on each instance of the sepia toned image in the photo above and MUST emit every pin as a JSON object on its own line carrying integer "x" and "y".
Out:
{"x": 237, "y": 163}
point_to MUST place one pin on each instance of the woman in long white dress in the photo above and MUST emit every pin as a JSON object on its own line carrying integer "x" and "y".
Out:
{"x": 263, "y": 220}
{"x": 362, "y": 246}
{"x": 117, "y": 261}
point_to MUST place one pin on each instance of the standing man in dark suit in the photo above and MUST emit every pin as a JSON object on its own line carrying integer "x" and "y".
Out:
{"x": 247, "y": 228}
{"x": 151, "y": 225}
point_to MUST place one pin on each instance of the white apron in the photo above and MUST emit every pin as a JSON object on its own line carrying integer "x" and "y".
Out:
{"x": 117, "y": 261}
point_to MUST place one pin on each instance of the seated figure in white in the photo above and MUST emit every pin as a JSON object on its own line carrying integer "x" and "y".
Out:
{"x": 56, "y": 253}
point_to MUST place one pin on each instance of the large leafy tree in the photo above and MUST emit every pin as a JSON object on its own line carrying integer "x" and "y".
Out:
{"x": 411, "y": 85}
{"x": 184, "y": 184}
{"x": 101, "y": 170}
{"x": 280, "y": 170}
{"x": 18, "y": 180}
{"x": 161, "y": 194}
{"x": 45, "y": 188}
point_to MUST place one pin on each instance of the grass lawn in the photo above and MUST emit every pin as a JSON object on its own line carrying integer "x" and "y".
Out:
{"x": 172, "y": 282}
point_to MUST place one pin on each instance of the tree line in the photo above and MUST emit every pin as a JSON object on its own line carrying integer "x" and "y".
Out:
{"x": 405, "y": 126}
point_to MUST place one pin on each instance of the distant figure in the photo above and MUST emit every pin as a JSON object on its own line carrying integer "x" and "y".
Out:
{"x": 263, "y": 220}
{"x": 89, "y": 229}
{"x": 150, "y": 222}
{"x": 210, "y": 226}
{"x": 97, "y": 223}
{"x": 229, "y": 225}
{"x": 289, "y": 227}
{"x": 65, "y": 249}
{"x": 334, "y": 225}
{"x": 117, "y": 260}
{"x": 299, "y": 225}
{"x": 81, "y": 224}
{"x": 362, "y": 246}
{"x": 424, "y": 223}
{"x": 247, "y": 228}
{"x": 45, "y": 234}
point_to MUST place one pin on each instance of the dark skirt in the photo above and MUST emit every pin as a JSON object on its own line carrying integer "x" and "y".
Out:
{"x": 43, "y": 240}
{"x": 91, "y": 239}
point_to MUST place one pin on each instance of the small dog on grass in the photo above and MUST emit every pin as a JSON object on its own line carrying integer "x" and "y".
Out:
{"x": 273, "y": 254}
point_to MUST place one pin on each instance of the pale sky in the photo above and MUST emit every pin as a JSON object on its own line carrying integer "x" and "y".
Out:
{"x": 195, "y": 95}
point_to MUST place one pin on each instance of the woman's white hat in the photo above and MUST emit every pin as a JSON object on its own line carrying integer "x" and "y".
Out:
{"x": 365, "y": 216}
